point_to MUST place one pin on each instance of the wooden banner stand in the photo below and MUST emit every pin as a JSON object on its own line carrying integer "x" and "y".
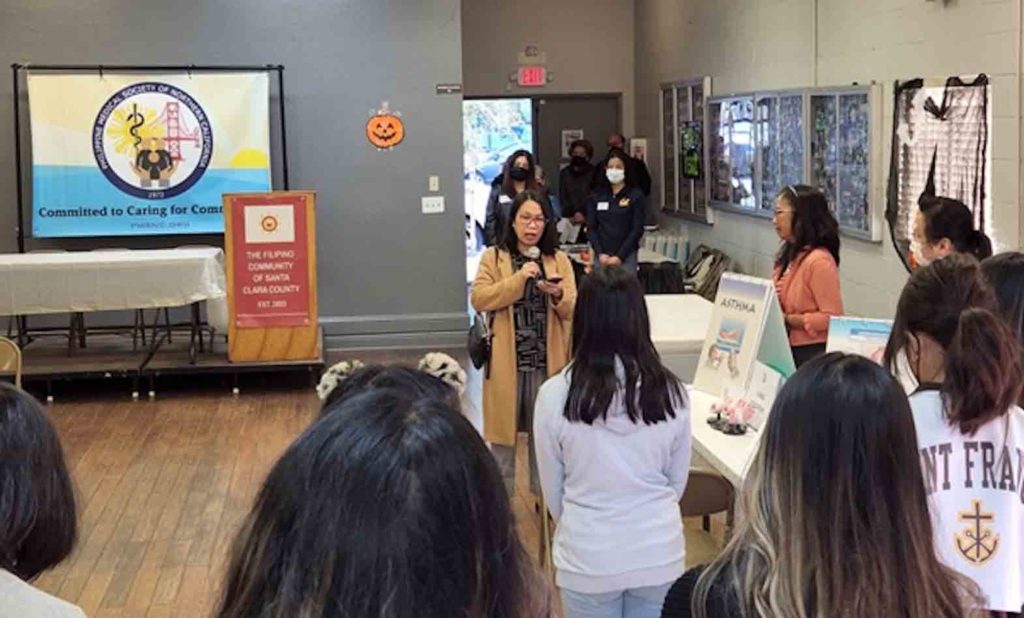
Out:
{"x": 270, "y": 241}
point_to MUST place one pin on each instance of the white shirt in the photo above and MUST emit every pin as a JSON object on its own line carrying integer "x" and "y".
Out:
{"x": 20, "y": 599}
{"x": 614, "y": 488}
{"x": 975, "y": 487}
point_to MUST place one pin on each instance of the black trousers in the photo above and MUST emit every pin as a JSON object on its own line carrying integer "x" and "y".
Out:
{"x": 804, "y": 353}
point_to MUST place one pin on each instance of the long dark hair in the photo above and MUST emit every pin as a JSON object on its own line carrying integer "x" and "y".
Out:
{"x": 837, "y": 469}
{"x": 548, "y": 243}
{"x": 813, "y": 224}
{"x": 611, "y": 324}
{"x": 38, "y": 513}
{"x": 508, "y": 186}
{"x": 950, "y": 301}
{"x": 1005, "y": 273}
{"x": 386, "y": 507}
{"x": 411, "y": 382}
{"x": 949, "y": 218}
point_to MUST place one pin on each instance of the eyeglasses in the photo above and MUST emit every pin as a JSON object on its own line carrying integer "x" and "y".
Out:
{"x": 532, "y": 220}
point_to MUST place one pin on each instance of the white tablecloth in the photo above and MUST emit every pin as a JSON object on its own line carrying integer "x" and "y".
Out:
{"x": 678, "y": 325}
{"x": 729, "y": 455}
{"x": 678, "y": 321}
{"x": 35, "y": 283}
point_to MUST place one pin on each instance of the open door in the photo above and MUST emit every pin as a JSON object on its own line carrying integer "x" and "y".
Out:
{"x": 492, "y": 129}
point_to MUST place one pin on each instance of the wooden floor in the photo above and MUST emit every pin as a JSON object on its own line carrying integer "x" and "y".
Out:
{"x": 163, "y": 486}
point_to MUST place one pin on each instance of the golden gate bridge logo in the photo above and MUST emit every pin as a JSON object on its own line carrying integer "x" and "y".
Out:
{"x": 152, "y": 140}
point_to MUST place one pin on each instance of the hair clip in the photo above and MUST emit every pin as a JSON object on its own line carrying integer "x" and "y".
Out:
{"x": 334, "y": 376}
{"x": 445, "y": 368}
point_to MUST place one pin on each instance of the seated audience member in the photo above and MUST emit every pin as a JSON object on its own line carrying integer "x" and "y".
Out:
{"x": 969, "y": 429}
{"x": 348, "y": 377}
{"x": 38, "y": 516}
{"x": 835, "y": 516}
{"x": 388, "y": 506}
{"x": 613, "y": 449}
{"x": 944, "y": 226}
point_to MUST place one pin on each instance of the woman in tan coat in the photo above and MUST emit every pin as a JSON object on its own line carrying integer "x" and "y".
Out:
{"x": 529, "y": 286}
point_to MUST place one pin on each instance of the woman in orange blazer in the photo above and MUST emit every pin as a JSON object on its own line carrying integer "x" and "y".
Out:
{"x": 807, "y": 268}
{"x": 529, "y": 287}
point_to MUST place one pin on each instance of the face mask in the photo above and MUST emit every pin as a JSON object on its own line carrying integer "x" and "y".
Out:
{"x": 615, "y": 176}
{"x": 579, "y": 161}
{"x": 519, "y": 174}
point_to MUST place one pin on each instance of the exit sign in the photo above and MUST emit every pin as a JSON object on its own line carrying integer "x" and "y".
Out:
{"x": 533, "y": 76}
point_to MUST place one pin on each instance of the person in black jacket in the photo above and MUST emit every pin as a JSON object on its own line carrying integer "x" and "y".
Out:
{"x": 576, "y": 181}
{"x": 615, "y": 215}
{"x": 517, "y": 175}
{"x": 637, "y": 168}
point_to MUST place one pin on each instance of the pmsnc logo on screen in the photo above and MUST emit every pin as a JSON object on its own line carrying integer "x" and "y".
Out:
{"x": 152, "y": 140}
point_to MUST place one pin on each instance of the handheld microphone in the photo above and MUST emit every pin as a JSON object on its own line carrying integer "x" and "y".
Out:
{"x": 533, "y": 253}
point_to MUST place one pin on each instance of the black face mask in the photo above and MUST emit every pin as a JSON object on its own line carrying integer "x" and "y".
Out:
{"x": 579, "y": 161}
{"x": 519, "y": 174}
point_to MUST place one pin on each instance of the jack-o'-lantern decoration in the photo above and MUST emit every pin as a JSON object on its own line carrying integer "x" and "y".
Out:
{"x": 385, "y": 129}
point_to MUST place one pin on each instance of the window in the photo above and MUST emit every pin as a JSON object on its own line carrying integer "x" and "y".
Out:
{"x": 841, "y": 157}
{"x": 731, "y": 152}
{"x": 762, "y": 142}
{"x": 684, "y": 182}
{"x": 780, "y": 146}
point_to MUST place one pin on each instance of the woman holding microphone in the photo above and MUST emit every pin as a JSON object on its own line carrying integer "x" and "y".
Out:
{"x": 529, "y": 287}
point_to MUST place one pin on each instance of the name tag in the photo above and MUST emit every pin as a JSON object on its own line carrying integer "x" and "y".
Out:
{"x": 504, "y": 199}
{"x": 602, "y": 205}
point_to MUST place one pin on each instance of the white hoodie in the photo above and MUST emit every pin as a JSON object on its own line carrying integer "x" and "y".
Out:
{"x": 614, "y": 489}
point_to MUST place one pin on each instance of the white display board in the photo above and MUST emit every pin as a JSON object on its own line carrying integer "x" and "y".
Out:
{"x": 862, "y": 336}
{"x": 746, "y": 326}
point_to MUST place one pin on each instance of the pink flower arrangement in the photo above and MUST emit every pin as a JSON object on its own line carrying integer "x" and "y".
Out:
{"x": 736, "y": 411}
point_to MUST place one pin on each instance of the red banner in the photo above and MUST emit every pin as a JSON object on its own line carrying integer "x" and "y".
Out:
{"x": 270, "y": 258}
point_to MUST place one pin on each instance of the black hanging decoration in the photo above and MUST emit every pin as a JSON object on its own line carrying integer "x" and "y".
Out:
{"x": 939, "y": 148}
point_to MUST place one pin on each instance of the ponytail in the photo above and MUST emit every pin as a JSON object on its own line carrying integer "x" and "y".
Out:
{"x": 948, "y": 218}
{"x": 979, "y": 245}
{"x": 983, "y": 370}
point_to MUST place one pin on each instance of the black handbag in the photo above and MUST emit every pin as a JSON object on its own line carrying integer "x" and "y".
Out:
{"x": 479, "y": 344}
{"x": 479, "y": 339}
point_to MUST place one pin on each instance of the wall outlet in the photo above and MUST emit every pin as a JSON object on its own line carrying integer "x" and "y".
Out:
{"x": 432, "y": 205}
{"x": 434, "y": 183}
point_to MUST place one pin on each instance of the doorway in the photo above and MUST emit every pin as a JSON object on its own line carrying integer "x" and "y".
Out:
{"x": 561, "y": 118}
{"x": 494, "y": 128}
